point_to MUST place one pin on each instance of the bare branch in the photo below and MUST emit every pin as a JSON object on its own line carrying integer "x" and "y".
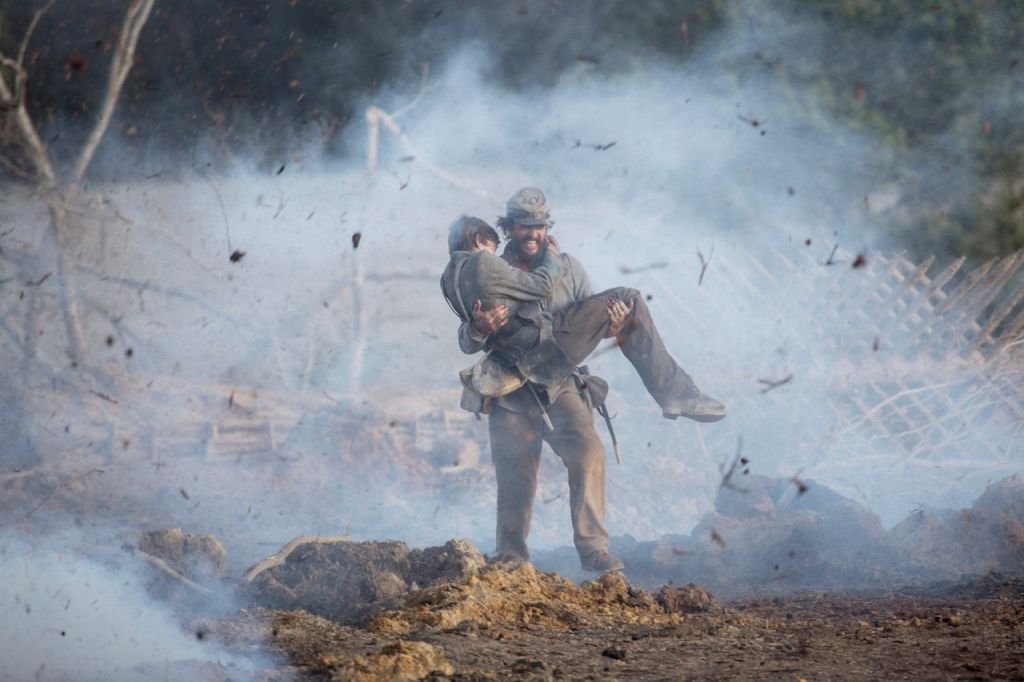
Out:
{"x": 31, "y": 143}
{"x": 124, "y": 55}
{"x": 59, "y": 487}
{"x": 425, "y": 87}
{"x": 12, "y": 102}
{"x": 375, "y": 117}
{"x": 30, "y": 30}
{"x": 165, "y": 568}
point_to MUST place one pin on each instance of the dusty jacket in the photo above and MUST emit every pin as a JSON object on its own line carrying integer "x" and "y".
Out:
{"x": 573, "y": 285}
{"x": 486, "y": 278}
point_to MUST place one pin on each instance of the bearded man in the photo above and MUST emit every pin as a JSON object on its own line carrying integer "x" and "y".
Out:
{"x": 559, "y": 410}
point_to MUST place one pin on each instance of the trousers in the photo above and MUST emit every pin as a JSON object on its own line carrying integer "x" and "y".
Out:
{"x": 516, "y": 440}
{"x": 580, "y": 326}
{"x": 517, "y": 437}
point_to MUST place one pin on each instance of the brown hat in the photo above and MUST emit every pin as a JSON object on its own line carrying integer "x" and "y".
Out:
{"x": 528, "y": 207}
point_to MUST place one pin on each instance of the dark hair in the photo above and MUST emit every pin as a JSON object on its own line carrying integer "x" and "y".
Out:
{"x": 472, "y": 230}
{"x": 506, "y": 224}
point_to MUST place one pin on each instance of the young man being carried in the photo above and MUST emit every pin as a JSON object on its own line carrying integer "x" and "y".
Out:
{"x": 477, "y": 283}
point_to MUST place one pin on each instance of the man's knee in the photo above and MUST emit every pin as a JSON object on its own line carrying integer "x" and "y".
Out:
{"x": 625, "y": 294}
{"x": 588, "y": 456}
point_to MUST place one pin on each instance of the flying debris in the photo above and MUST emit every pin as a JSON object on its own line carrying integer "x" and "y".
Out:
{"x": 754, "y": 122}
{"x": 772, "y": 384}
{"x": 717, "y": 539}
{"x": 727, "y": 473}
{"x": 831, "y": 257}
{"x": 596, "y": 147}
{"x": 704, "y": 264}
{"x": 657, "y": 265}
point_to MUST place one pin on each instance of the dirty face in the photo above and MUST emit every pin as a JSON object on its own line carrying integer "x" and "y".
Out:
{"x": 529, "y": 241}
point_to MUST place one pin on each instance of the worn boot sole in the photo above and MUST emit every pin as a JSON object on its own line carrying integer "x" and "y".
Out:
{"x": 704, "y": 417}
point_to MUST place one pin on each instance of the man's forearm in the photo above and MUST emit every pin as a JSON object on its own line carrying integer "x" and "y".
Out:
{"x": 470, "y": 341}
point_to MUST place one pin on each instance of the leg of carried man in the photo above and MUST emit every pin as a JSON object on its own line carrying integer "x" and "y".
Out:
{"x": 515, "y": 450}
{"x": 576, "y": 442}
{"x": 579, "y": 327}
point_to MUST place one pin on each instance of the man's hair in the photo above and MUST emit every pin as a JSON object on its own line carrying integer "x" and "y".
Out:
{"x": 506, "y": 224}
{"x": 467, "y": 230}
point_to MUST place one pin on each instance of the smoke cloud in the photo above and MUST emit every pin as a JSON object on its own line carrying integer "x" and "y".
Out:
{"x": 643, "y": 170}
{"x": 69, "y": 617}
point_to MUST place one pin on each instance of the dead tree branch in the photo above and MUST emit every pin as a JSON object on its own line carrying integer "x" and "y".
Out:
{"x": 281, "y": 555}
{"x": 165, "y": 568}
{"x": 124, "y": 56}
{"x": 59, "y": 487}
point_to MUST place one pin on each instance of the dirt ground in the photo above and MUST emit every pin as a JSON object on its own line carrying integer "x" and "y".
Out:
{"x": 606, "y": 630}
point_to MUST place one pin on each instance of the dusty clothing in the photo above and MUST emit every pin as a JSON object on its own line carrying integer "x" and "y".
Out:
{"x": 516, "y": 439}
{"x": 487, "y": 278}
{"x": 517, "y": 432}
{"x": 580, "y": 326}
{"x": 577, "y": 324}
{"x": 572, "y": 286}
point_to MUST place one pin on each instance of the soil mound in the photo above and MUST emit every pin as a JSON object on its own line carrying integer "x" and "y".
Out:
{"x": 200, "y": 557}
{"x": 987, "y": 537}
{"x": 503, "y": 597}
{"x": 348, "y": 582}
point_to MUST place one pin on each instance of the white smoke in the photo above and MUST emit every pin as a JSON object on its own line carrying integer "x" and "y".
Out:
{"x": 642, "y": 168}
{"x": 64, "y": 616}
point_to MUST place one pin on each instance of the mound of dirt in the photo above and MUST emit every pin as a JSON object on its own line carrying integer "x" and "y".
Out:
{"x": 987, "y": 537}
{"x": 770, "y": 531}
{"x": 199, "y": 557}
{"x": 348, "y": 582}
{"x": 504, "y": 597}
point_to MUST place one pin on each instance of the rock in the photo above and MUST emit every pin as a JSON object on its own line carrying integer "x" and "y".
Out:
{"x": 1003, "y": 497}
{"x": 686, "y": 599}
{"x": 349, "y": 582}
{"x": 199, "y": 557}
{"x": 615, "y": 653}
{"x": 455, "y": 559}
{"x": 989, "y": 536}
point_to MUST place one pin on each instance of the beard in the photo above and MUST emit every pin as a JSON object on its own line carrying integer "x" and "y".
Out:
{"x": 530, "y": 260}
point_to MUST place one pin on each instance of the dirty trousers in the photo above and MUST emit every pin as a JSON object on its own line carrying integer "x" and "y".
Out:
{"x": 516, "y": 440}
{"x": 581, "y": 325}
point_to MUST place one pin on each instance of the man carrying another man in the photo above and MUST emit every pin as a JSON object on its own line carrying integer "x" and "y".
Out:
{"x": 534, "y": 310}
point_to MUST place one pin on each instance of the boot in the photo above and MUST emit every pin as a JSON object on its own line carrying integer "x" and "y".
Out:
{"x": 600, "y": 562}
{"x": 693, "y": 404}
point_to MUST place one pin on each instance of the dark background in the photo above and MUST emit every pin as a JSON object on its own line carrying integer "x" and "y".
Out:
{"x": 939, "y": 77}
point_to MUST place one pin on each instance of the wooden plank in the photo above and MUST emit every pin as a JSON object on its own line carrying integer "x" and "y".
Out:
{"x": 973, "y": 305}
{"x": 965, "y": 288}
{"x": 959, "y": 321}
{"x": 935, "y": 287}
{"x": 998, "y": 316}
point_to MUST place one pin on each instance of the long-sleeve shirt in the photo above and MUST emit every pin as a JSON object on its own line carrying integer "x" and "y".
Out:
{"x": 573, "y": 285}
{"x": 493, "y": 281}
